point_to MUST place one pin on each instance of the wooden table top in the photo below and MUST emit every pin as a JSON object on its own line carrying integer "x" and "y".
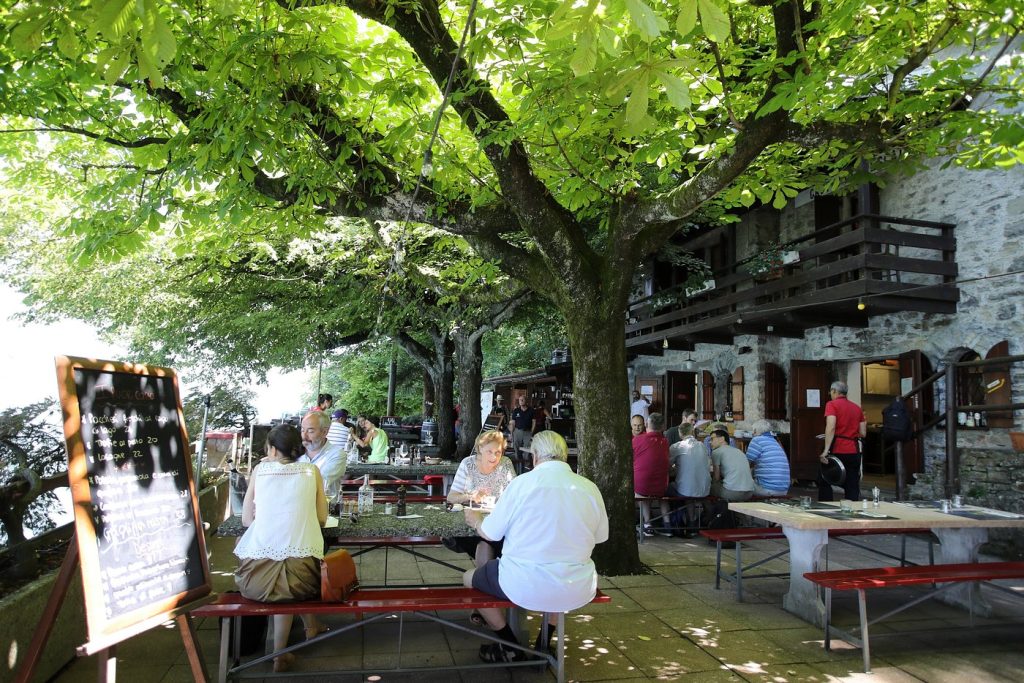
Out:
{"x": 434, "y": 520}
{"x": 891, "y": 516}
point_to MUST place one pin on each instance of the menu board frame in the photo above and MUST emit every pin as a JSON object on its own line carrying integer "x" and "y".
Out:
{"x": 105, "y": 626}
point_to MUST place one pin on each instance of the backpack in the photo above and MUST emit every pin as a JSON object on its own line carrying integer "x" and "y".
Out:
{"x": 719, "y": 516}
{"x": 896, "y": 422}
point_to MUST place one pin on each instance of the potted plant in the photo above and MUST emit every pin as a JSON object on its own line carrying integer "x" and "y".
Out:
{"x": 766, "y": 264}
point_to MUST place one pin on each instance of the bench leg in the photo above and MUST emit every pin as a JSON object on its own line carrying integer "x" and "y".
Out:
{"x": 828, "y": 619}
{"x": 560, "y": 671}
{"x": 865, "y": 640}
{"x": 225, "y": 635}
{"x": 718, "y": 565}
{"x": 739, "y": 571}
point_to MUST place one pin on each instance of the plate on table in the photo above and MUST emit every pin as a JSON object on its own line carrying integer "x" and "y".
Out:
{"x": 432, "y": 461}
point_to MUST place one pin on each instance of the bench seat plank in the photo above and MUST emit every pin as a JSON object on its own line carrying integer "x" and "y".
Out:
{"x": 861, "y": 580}
{"x": 382, "y": 602}
{"x": 881, "y": 577}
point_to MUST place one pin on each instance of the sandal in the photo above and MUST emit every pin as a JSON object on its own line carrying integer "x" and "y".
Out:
{"x": 477, "y": 619}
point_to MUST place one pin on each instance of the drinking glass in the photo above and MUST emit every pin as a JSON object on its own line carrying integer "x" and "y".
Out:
{"x": 846, "y": 506}
{"x": 805, "y": 502}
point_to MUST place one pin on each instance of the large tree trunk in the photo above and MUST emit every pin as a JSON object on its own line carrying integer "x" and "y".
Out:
{"x": 443, "y": 374}
{"x": 469, "y": 361}
{"x": 437, "y": 363}
{"x": 428, "y": 395}
{"x": 602, "y": 424}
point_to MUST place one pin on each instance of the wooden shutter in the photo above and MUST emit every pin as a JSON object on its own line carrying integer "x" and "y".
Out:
{"x": 707, "y": 395}
{"x": 737, "y": 394}
{"x": 774, "y": 392}
{"x": 998, "y": 391}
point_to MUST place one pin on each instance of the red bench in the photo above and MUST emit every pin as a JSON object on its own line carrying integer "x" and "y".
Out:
{"x": 740, "y": 536}
{"x": 861, "y": 580}
{"x": 381, "y": 603}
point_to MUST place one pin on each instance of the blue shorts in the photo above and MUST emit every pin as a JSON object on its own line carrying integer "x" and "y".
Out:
{"x": 485, "y": 580}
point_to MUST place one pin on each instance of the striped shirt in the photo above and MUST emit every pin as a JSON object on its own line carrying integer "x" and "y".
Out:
{"x": 771, "y": 466}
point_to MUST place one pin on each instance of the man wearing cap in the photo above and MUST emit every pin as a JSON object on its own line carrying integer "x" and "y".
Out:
{"x": 845, "y": 426}
{"x": 500, "y": 410}
{"x": 328, "y": 458}
{"x": 340, "y": 433}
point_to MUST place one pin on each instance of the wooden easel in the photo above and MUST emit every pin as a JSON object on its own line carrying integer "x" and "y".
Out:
{"x": 106, "y": 647}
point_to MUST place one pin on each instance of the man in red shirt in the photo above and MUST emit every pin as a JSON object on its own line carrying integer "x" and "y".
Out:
{"x": 650, "y": 466}
{"x": 845, "y": 426}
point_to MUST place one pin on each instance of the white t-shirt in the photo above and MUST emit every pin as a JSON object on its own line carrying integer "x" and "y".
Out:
{"x": 640, "y": 407}
{"x": 550, "y": 519}
{"x": 331, "y": 461}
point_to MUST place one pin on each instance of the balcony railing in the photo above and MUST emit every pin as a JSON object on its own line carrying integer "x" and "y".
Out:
{"x": 887, "y": 264}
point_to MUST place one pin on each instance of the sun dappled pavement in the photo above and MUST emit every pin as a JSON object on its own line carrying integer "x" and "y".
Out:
{"x": 669, "y": 624}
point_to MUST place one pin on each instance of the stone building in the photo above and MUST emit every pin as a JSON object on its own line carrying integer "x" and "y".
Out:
{"x": 881, "y": 288}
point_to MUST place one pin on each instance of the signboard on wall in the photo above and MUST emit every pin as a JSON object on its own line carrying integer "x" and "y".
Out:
{"x": 137, "y": 524}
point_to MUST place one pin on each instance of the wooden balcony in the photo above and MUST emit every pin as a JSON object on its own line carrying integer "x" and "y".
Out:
{"x": 891, "y": 265}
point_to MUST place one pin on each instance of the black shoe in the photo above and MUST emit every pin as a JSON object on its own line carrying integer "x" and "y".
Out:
{"x": 493, "y": 653}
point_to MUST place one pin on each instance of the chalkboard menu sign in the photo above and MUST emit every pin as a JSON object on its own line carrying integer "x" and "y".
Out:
{"x": 137, "y": 520}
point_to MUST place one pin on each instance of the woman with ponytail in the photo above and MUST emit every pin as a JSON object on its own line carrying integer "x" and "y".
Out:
{"x": 280, "y": 552}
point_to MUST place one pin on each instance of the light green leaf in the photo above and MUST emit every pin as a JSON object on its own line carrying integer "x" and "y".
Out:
{"x": 714, "y": 21}
{"x": 647, "y": 23}
{"x": 617, "y": 87}
{"x": 148, "y": 69}
{"x": 157, "y": 40}
{"x": 780, "y": 201}
{"x": 116, "y": 62}
{"x": 113, "y": 18}
{"x": 687, "y": 19}
{"x": 585, "y": 57}
{"x": 28, "y": 35}
{"x": 609, "y": 41}
{"x": 68, "y": 43}
{"x": 677, "y": 91}
{"x": 636, "y": 108}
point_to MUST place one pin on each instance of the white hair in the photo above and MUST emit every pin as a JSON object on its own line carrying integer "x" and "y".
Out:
{"x": 549, "y": 445}
{"x": 761, "y": 427}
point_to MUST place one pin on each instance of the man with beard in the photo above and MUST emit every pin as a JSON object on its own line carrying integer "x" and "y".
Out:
{"x": 328, "y": 457}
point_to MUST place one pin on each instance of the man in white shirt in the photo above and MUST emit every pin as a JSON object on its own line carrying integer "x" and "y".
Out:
{"x": 328, "y": 457}
{"x": 550, "y": 519}
{"x": 640, "y": 406}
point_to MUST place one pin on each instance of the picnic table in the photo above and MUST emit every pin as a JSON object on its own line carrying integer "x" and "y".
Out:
{"x": 961, "y": 531}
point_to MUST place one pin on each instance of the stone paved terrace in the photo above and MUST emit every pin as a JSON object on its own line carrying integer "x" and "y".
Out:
{"x": 670, "y": 624}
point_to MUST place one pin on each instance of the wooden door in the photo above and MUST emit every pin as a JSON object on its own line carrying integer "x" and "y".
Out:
{"x": 680, "y": 395}
{"x": 809, "y": 382}
{"x": 914, "y": 369}
{"x": 650, "y": 388}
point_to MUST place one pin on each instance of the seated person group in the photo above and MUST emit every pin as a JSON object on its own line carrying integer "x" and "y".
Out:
{"x": 533, "y": 549}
